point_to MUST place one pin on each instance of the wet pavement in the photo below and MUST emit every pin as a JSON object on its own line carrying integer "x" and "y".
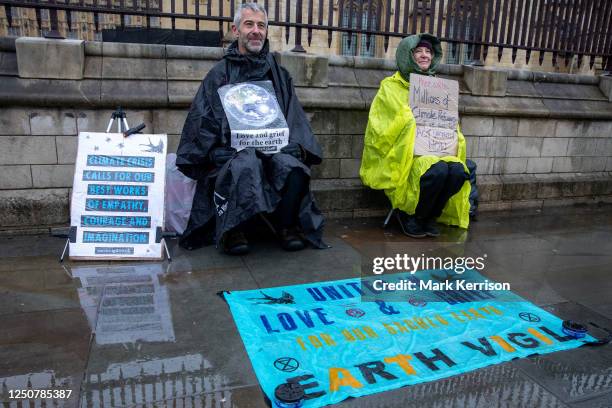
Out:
{"x": 156, "y": 334}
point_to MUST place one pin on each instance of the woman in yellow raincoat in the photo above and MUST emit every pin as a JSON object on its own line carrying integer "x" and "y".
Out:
{"x": 422, "y": 189}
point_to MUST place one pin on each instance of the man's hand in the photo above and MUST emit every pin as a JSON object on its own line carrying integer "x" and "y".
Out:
{"x": 220, "y": 155}
{"x": 295, "y": 150}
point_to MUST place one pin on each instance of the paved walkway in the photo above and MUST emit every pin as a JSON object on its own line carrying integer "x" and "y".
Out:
{"x": 193, "y": 355}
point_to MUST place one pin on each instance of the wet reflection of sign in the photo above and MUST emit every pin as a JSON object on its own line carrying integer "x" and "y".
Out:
{"x": 189, "y": 379}
{"x": 125, "y": 303}
{"x": 31, "y": 383}
{"x": 255, "y": 117}
{"x": 118, "y": 196}
{"x": 434, "y": 104}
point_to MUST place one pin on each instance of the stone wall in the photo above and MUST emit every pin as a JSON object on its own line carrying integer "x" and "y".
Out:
{"x": 538, "y": 139}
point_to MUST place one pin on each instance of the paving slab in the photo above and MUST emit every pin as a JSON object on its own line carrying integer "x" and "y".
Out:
{"x": 43, "y": 350}
{"x": 580, "y": 375}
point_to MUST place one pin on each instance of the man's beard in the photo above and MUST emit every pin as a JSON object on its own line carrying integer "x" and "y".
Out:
{"x": 253, "y": 49}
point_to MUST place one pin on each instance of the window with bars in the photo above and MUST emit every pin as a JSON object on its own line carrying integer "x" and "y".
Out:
{"x": 460, "y": 53}
{"x": 423, "y": 7}
{"x": 359, "y": 42}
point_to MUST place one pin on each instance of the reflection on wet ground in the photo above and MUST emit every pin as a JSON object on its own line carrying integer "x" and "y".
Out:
{"x": 125, "y": 304}
{"x": 157, "y": 334}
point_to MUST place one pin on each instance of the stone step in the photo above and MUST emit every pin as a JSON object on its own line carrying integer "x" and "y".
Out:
{"x": 341, "y": 198}
{"x": 349, "y": 198}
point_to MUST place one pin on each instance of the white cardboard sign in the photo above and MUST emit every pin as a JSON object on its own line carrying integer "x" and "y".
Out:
{"x": 434, "y": 103}
{"x": 117, "y": 208}
{"x": 254, "y": 116}
{"x": 268, "y": 141}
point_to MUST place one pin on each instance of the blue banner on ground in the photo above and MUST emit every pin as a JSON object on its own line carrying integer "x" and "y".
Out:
{"x": 326, "y": 337}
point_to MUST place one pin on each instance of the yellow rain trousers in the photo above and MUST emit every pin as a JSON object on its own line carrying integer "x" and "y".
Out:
{"x": 388, "y": 162}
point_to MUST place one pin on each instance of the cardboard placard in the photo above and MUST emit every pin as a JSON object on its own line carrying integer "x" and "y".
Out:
{"x": 255, "y": 117}
{"x": 117, "y": 208}
{"x": 434, "y": 103}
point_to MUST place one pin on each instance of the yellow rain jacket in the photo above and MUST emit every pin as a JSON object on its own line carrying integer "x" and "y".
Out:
{"x": 388, "y": 162}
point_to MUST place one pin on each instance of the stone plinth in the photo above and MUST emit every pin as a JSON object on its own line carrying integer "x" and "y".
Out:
{"x": 50, "y": 59}
{"x": 485, "y": 81}
{"x": 306, "y": 70}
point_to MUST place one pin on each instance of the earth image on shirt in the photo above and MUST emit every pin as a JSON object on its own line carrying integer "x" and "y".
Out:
{"x": 251, "y": 105}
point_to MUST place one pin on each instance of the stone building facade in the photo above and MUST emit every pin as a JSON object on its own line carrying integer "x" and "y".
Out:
{"x": 539, "y": 139}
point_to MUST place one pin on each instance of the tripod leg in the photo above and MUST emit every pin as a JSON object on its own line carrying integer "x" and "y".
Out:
{"x": 167, "y": 250}
{"x": 388, "y": 217}
{"x": 110, "y": 124}
{"x": 64, "y": 251}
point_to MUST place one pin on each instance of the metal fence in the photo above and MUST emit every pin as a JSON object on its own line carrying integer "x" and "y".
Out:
{"x": 564, "y": 28}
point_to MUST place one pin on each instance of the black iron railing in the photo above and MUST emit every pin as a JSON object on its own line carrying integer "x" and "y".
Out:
{"x": 563, "y": 28}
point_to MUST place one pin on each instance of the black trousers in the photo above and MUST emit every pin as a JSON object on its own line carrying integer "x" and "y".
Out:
{"x": 295, "y": 188}
{"x": 438, "y": 185}
{"x": 286, "y": 214}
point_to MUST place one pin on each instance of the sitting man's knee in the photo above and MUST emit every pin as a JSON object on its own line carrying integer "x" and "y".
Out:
{"x": 297, "y": 179}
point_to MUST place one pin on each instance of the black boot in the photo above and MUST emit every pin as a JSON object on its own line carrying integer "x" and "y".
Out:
{"x": 429, "y": 226}
{"x": 291, "y": 239}
{"x": 410, "y": 226}
{"x": 234, "y": 242}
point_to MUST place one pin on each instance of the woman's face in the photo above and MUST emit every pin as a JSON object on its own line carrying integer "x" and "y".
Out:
{"x": 422, "y": 56}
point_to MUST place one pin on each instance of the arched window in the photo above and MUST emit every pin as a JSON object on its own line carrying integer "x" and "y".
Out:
{"x": 359, "y": 42}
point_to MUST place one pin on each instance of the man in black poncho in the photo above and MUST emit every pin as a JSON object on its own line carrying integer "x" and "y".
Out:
{"x": 233, "y": 186}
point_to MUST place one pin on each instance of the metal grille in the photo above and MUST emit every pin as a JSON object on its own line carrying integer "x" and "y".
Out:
{"x": 563, "y": 28}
